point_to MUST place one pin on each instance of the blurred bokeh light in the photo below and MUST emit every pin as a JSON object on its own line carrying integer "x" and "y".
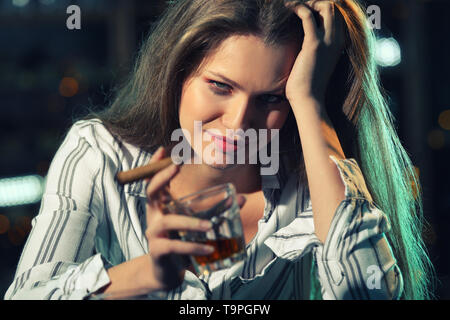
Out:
{"x": 388, "y": 52}
{"x": 21, "y": 190}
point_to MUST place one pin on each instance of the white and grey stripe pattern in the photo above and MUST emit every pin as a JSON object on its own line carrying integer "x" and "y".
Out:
{"x": 87, "y": 220}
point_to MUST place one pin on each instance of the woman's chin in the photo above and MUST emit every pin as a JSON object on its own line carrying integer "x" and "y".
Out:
{"x": 221, "y": 166}
{"x": 220, "y": 161}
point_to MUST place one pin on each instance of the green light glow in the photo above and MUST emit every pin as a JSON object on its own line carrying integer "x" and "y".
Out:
{"x": 21, "y": 190}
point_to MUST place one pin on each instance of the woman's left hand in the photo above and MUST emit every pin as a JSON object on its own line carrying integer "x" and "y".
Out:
{"x": 321, "y": 49}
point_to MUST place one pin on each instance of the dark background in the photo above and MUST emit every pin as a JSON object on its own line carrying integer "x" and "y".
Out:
{"x": 49, "y": 74}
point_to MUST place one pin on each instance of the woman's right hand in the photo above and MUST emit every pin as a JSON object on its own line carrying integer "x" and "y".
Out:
{"x": 169, "y": 257}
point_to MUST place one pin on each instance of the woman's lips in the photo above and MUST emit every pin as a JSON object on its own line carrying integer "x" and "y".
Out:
{"x": 223, "y": 144}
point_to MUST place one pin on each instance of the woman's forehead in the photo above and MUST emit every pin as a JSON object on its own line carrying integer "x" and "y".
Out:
{"x": 248, "y": 61}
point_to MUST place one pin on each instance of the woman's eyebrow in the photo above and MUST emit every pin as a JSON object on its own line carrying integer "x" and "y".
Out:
{"x": 279, "y": 85}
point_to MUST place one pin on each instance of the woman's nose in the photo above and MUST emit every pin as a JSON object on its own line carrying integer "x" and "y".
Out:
{"x": 238, "y": 115}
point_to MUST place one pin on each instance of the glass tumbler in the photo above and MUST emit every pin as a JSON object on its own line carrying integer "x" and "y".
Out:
{"x": 217, "y": 204}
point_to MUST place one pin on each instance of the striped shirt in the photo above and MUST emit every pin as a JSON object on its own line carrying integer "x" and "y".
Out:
{"x": 87, "y": 222}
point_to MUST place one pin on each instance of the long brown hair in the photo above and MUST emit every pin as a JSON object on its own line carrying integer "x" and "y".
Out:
{"x": 144, "y": 111}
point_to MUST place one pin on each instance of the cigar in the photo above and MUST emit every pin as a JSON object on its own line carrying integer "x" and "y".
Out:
{"x": 146, "y": 171}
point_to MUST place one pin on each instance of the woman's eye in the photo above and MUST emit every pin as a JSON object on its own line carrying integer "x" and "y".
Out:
{"x": 222, "y": 88}
{"x": 272, "y": 99}
{"x": 218, "y": 85}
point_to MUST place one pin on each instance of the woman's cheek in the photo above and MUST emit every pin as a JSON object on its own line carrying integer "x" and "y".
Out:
{"x": 198, "y": 105}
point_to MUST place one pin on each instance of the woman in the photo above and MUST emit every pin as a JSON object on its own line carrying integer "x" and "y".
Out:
{"x": 321, "y": 226}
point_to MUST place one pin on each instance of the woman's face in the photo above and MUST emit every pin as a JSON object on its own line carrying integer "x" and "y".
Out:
{"x": 240, "y": 85}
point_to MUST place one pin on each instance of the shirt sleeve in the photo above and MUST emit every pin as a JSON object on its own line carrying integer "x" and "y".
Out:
{"x": 58, "y": 260}
{"x": 356, "y": 260}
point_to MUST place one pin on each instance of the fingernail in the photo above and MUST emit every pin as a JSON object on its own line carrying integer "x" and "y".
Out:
{"x": 205, "y": 224}
{"x": 208, "y": 249}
